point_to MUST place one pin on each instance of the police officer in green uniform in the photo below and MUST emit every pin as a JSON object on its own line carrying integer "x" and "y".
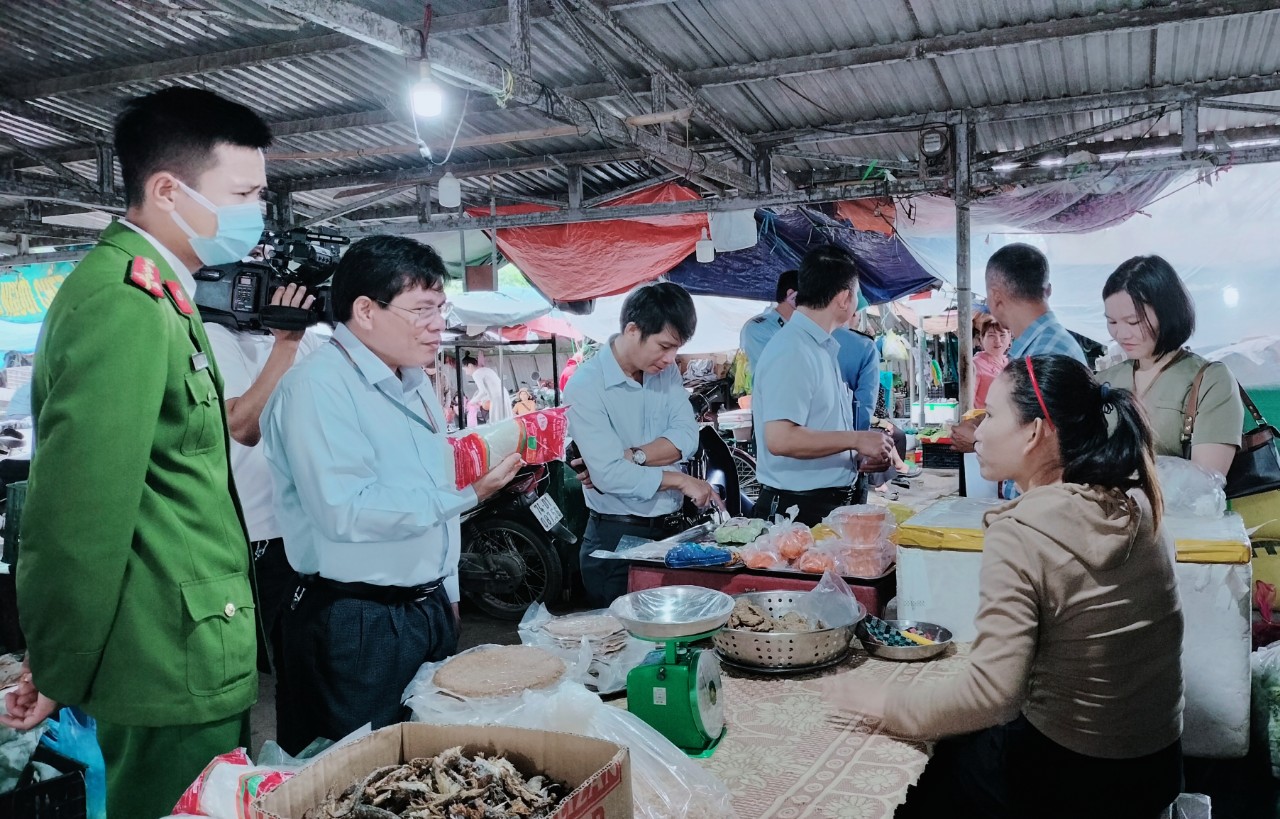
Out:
{"x": 133, "y": 576}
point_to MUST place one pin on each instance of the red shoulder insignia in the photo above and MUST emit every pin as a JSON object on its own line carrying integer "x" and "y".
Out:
{"x": 144, "y": 275}
{"x": 178, "y": 297}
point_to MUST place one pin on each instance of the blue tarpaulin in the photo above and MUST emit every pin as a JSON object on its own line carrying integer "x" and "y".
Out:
{"x": 889, "y": 271}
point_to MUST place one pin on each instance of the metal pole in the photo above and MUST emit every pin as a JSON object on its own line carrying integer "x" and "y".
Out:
{"x": 555, "y": 367}
{"x": 923, "y": 368}
{"x": 964, "y": 293}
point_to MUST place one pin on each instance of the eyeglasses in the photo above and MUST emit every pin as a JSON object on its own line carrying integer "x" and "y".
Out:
{"x": 421, "y": 315}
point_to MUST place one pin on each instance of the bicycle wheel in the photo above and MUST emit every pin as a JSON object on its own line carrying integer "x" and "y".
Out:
{"x": 745, "y": 465}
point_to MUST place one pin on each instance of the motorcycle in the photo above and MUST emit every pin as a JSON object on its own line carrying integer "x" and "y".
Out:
{"x": 511, "y": 547}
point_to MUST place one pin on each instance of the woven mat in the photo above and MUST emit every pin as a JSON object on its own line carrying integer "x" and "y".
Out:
{"x": 788, "y": 754}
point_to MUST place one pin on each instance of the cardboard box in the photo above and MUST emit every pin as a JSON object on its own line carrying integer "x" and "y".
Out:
{"x": 598, "y": 772}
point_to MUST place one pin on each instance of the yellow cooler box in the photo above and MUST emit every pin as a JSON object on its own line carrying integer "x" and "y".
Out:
{"x": 940, "y": 556}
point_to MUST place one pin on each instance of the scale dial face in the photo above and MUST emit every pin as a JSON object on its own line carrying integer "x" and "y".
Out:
{"x": 709, "y": 700}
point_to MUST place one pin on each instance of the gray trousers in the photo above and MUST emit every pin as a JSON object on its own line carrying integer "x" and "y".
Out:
{"x": 606, "y": 580}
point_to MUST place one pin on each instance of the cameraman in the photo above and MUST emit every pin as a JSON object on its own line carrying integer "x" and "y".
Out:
{"x": 252, "y": 365}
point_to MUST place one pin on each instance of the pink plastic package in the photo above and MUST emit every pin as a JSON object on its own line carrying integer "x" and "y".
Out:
{"x": 228, "y": 786}
{"x": 538, "y": 437}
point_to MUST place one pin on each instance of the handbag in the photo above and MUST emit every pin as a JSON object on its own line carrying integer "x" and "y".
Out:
{"x": 1256, "y": 467}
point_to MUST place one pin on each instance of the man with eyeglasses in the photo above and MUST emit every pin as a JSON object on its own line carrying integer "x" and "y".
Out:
{"x": 365, "y": 494}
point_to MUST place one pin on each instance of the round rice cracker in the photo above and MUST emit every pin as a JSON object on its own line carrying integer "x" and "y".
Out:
{"x": 592, "y": 626}
{"x": 499, "y": 671}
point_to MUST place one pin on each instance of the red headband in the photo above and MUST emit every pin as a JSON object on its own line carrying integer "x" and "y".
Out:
{"x": 1031, "y": 371}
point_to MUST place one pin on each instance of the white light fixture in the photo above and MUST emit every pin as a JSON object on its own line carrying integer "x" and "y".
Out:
{"x": 1230, "y": 296}
{"x": 449, "y": 193}
{"x": 426, "y": 97}
{"x": 705, "y": 248}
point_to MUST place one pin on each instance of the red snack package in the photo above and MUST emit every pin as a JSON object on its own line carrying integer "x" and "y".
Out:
{"x": 538, "y": 437}
{"x": 190, "y": 801}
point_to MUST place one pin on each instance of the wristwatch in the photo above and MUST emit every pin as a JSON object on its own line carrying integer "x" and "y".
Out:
{"x": 637, "y": 456}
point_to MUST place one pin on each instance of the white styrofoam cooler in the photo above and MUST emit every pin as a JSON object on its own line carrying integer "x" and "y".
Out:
{"x": 940, "y": 585}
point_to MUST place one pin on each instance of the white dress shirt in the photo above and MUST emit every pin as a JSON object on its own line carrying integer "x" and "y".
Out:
{"x": 610, "y": 412}
{"x": 363, "y": 493}
{"x": 179, "y": 269}
{"x": 241, "y": 357}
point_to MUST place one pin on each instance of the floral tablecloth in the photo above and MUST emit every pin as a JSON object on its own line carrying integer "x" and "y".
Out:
{"x": 788, "y": 754}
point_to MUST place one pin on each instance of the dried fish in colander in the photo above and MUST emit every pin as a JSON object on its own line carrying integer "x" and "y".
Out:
{"x": 449, "y": 785}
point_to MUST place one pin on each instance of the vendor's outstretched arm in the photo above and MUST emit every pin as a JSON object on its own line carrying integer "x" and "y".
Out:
{"x": 791, "y": 440}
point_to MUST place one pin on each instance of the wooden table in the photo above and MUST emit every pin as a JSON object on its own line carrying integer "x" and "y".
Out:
{"x": 788, "y": 754}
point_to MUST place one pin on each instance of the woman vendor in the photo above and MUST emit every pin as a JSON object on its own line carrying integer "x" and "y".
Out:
{"x": 1071, "y": 703}
{"x": 1150, "y": 315}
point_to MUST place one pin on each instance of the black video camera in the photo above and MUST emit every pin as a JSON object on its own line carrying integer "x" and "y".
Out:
{"x": 238, "y": 295}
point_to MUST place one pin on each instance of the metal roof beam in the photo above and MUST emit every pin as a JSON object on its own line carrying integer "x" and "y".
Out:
{"x": 113, "y": 78}
{"x": 43, "y": 258}
{"x": 604, "y": 22}
{"x": 335, "y": 122}
{"x": 1162, "y": 95}
{"x": 493, "y": 167}
{"x": 924, "y": 48}
{"x": 45, "y": 192}
{"x": 57, "y": 122}
{"x": 62, "y": 171}
{"x": 1080, "y": 172}
{"x": 26, "y": 227}
{"x": 518, "y": 24}
{"x": 447, "y": 61}
{"x": 1076, "y": 136}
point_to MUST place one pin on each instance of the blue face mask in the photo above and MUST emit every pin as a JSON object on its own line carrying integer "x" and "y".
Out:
{"x": 239, "y": 230}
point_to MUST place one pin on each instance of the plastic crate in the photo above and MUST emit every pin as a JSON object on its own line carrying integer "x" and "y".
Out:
{"x": 941, "y": 456}
{"x": 62, "y": 797}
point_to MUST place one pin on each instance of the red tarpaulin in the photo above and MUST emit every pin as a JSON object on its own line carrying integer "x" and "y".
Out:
{"x": 592, "y": 259}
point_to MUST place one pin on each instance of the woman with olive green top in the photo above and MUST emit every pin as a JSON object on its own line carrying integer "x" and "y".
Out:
{"x": 1150, "y": 315}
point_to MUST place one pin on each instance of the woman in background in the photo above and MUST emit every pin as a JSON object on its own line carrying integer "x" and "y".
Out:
{"x": 994, "y": 340}
{"x": 1150, "y": 315}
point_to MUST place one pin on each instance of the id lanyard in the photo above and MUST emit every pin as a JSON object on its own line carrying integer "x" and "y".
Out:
{"x": 410, "y": 414}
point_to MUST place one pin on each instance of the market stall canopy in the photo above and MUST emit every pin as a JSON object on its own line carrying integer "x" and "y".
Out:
{"x": 450, "y": 244}
{"x": 1217, "y": 229}
{"x": 586, "y": 260}
{"x": 495, "y": 308}
{"x": 554, "y": 324}
{"x": 888, "y": 270}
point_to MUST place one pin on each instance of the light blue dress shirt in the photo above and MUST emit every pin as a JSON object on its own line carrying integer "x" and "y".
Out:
{"x": 860, "y": 367}
{"x": 756, "y": 333}
{"x": 799, "y": 380}
{"x": 609, "y": 413}
{"x": 1046, "y": 336}
{"x": 363, "y": 493}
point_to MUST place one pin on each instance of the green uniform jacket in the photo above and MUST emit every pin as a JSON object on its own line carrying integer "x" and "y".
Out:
{"x": 133, "y": 571}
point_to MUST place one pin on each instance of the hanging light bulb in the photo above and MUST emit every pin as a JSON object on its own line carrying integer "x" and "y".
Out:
{"x": 450, "y": 191}
{"x": 705, "y": 249}
{"x": 426, "y": 97}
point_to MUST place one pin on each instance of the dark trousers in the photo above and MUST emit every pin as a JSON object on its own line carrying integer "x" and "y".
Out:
{"x": 276, "y": 581}
{"x": 1013, "y": 771}
{"x": 346, "y": 661}
{"x": 605, "y": 580}
{"x": 814, "y": 505}
{"x": 148, "y": 768}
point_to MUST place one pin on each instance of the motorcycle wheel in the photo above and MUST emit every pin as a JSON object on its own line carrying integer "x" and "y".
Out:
{"x": 746, "y": 468}
{"x": 543, "y": 579}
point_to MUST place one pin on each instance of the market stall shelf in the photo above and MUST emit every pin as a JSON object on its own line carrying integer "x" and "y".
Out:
{"x": 788, "y": 754}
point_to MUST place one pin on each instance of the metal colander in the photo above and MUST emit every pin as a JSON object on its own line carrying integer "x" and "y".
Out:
{"x": 777, "y": 650}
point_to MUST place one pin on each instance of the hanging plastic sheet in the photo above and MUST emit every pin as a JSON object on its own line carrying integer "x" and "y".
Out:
{"x": 592, "y": 259}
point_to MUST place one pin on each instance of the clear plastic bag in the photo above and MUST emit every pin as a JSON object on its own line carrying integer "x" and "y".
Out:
{"x": 665, "y": 783}
{"x": 1190, "y": 489}
{"x": 604, "y": 672}
{"x": 1265, "y": 677}
{"x": 831, "y": 602}
{"x": 862, "y": 523}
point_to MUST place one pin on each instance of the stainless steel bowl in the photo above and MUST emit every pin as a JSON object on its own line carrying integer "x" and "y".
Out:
{"x": 775, "y": 650}
{"x": 668, "y": 612}
{"x": 935, "y": 632}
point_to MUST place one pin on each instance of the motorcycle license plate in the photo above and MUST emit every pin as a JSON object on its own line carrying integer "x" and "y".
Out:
{"x": 546, "y": 511}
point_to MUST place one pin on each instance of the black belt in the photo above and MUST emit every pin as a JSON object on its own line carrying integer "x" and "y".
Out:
{"x": 661, "y": 522}
{"x": 828, "y": 493}
{"x": 388, "y": 595}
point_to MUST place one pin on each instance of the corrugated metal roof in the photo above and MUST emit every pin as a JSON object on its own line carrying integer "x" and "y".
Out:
{"x": 90, "y": 36}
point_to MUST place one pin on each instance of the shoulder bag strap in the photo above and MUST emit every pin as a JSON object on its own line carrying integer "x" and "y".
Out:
{"x": 1193, "y": 402}
{"x": 1249, "y": 405}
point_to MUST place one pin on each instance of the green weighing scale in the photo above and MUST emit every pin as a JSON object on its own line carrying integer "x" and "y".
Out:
{"x": 677, "y": 689}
